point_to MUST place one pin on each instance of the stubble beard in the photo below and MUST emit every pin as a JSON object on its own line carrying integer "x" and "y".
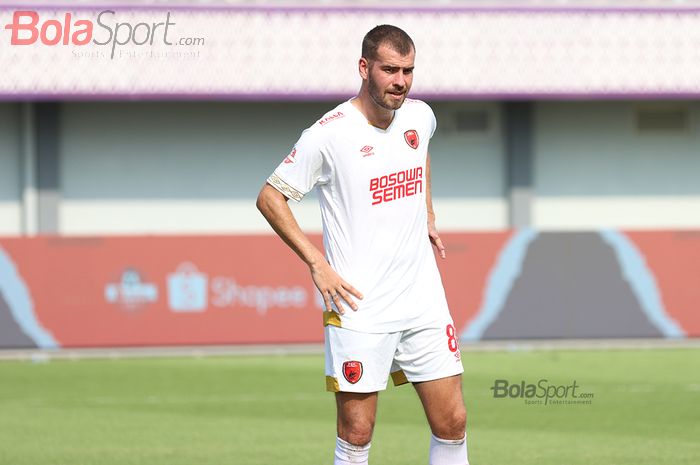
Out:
{"x": 378, "y": 96}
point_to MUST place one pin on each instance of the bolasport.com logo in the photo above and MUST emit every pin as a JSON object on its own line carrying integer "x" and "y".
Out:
{"x": 30, "y": 28}
{"x": 543, "y": 392}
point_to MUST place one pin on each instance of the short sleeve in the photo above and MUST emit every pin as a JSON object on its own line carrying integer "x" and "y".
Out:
{"x": 433, "y": 121}
{"x": 302, "y": 169}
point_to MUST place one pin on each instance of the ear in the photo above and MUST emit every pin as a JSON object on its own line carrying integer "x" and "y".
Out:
{"x": 363, "y": 67}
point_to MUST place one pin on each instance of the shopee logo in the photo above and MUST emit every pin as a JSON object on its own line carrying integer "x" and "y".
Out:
{"x": 27, "y": 28}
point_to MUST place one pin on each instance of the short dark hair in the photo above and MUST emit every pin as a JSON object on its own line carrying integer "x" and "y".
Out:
{"x": 386, "y": 34}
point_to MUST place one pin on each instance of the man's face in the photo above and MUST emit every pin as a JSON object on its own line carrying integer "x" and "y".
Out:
{"x": 389, "y": 77}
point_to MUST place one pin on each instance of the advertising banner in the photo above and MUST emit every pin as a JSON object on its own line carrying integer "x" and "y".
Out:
{"x": 171, "y": 290}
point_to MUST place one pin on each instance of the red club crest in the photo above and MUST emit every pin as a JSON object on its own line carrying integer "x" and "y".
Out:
{"x": 352, "y": 371}
{"x": 411, "y": 137}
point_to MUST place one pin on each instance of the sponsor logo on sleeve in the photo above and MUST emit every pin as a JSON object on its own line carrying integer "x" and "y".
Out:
{"x": 291, "y": 156}
{"x": 331, "y": 118}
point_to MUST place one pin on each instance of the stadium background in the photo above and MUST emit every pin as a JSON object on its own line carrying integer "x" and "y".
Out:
{"x": 566, "y": 188}
{"x": 566, "y": 169}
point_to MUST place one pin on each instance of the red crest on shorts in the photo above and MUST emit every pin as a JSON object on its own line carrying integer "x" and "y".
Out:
{"x": 352, "y": 371}
{"x": 411, "y": 137}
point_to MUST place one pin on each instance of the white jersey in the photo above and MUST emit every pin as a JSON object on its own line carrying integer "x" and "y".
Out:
{"x": 372, "y": 191}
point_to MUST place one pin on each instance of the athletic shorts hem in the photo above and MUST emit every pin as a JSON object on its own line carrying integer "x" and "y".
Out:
{"x": 332, "y": 385}
{"x": 435, "y": 376}
{"x": 399, "y": 378}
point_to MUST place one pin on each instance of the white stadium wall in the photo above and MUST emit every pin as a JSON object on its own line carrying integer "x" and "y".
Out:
{"x": 10, "y": 170}
{"x": 174, "y": 167}
{"x": 595, "y": 168}
{"x": 468, "y": 168}
{"x": 196, "y": 167}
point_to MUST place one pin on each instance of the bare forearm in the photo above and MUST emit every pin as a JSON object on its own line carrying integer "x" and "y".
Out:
{"x": 273, "y": 206}
{"x": 432, "y": 230}
{"x": 428, "y": 191}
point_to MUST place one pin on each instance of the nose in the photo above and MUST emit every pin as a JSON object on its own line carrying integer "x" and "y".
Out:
{"x": 400, "y": 80}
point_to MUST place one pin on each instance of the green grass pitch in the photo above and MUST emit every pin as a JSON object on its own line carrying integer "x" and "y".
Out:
{"x": 272, "y": 410}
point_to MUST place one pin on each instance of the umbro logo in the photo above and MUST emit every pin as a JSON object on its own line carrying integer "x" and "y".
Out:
{"x": 367, "y": 151}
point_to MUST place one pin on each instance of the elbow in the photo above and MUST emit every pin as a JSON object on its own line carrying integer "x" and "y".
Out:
{"x": 269, "y": 200}
{"x": 262, "y": 202}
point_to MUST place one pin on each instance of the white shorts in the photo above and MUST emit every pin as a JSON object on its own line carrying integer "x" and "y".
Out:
{"x": 362, "y": 362}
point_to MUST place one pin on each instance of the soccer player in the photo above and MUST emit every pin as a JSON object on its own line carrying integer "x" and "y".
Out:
{"x": 385, "y": 307}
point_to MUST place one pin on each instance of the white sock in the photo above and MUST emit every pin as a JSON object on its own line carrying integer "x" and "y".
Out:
{"x": 350, "y": 454}
{"x": 448, "y": 451}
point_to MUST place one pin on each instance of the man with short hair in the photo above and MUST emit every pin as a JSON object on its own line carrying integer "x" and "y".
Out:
{"x": 368, "y": 159}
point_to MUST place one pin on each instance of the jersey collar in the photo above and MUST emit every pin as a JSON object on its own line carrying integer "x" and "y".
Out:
{"x": 364, "y": 118}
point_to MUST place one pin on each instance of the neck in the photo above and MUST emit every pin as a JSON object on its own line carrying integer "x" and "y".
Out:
{"x": 376, "y": 116}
